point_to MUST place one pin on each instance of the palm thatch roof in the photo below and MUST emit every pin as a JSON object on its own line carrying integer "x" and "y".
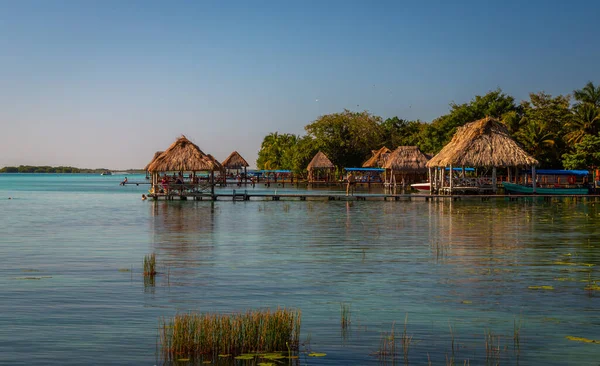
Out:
{"x": 183, "y": 155}
{"x": 482, "y": 143}
{"x": 407, "y": 158}
{"x": 320, "y": 161}
{"x": 377, "y": 159}
{"x": 235, "y": 161}
{"x": 156, "y": 155}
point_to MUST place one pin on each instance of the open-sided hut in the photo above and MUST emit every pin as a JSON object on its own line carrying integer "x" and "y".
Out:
{"x": 406, "y": 164}
{"x": 236, "y": 162}
{"x": 156, "y": 155}
{"x": 320, "y": 168}
{"x": 377, "y": 160}
{"x": 182, "y": 156}
{"x": 485, "y": 143}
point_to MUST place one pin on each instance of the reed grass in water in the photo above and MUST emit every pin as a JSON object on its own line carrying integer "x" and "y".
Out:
{"x": 150, "y": 265}
{"x": 255, "y": 331}
{"x": 345, "y": 315}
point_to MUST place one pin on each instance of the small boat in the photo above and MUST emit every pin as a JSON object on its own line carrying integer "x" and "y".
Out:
{"x": 421, "y": 186}
{"x": 553, "y": 182}
{"x": 106, "y": 172}
{"x": 521, "y": 189}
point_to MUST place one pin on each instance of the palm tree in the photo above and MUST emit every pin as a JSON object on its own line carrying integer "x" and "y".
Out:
{"x": 535, "y": 136}
{"x": 585, "y": 121}
{"x": 589, "y": 94}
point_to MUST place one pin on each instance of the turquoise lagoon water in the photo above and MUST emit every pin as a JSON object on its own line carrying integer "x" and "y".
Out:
{"x": 456, "y": 270}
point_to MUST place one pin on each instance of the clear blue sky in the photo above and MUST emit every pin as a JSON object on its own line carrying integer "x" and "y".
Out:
{"x": 107, "y": 83}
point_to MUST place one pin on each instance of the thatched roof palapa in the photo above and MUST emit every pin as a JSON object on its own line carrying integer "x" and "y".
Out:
{"x": 482, "y": 143}
{"x": 156, "y": 155}
{"x": 183, "y": 155}
{"x": 320, "y": 161}
{"x": 235, "y": 161}
{"x": 377, "y": 159}
{"x": 407, "y": 158}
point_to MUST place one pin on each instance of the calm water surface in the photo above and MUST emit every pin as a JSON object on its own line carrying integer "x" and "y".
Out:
{"x": 456, "y": 270}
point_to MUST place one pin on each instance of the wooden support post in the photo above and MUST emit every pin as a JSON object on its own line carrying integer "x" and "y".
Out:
{"x": 533, "y": 178}
{"x": 450, "y": 177}
{"x": 494, "y": 181}
{"x": 212, "y": 185}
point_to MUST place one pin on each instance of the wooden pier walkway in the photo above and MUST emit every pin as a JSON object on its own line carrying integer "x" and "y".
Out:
{"x": 264, "y": 196}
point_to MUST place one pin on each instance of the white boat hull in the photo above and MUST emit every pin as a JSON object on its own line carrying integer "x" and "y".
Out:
{"x": 421, "y": 186}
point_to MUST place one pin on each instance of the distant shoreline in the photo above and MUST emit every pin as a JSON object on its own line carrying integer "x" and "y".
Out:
{"x": 63, "y": 170}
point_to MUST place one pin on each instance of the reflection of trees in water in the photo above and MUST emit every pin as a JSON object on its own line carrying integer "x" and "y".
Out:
{"x": 182, "y": 231}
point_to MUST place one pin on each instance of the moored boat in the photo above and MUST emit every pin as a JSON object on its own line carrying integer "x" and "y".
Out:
{"x": 421, "y": 186}
{"x": 106, "y": 172}
{"x": 521, "y": 189}
{"x": 553, "y": 182}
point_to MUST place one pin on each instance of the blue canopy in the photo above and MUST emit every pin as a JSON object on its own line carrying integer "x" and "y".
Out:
{"x": 460, "y": 169}
{"x": 274, "y": 171}
{"x": 364, "y": 169}
{"x": 562, "y": 172}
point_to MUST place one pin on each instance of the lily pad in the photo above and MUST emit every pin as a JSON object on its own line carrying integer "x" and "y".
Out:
{"x": 316, "y": 354}
{"x": 467, "y": 302}
{"x": 593, "y": 287}
{"x": 223, "y": 356}
{"x": 273, "y": 356}
{"x": 124, "y": 270}
{"x": 266, "y": 364}
{"x": 183, "y": 359}
{"x": 244, "y": 357}
{"x": 584, "y": 340}
{"x": 541, "y": 288}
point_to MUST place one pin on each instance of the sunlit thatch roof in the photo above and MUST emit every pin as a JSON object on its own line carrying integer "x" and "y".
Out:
{"x": 235, "y": 161}
{"x": 482, "y": 143}
{"x": 377, "y": 159}
{"x": 320, "y": 161}
{"x": 407, "y": 158}
{"x": 156, "y": 155}
{"x": 183, "y": 155}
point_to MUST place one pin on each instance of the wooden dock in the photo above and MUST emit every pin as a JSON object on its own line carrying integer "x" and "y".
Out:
{"x": 265, "y": 196}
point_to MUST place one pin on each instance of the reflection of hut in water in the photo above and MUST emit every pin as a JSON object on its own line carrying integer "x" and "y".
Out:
{"x": 182, "y": 234}
{"x": 377, "y": 160}
{"x": 406, "y": 164}
{"x": 181, "y": 157}
{"x": 484, "y": 144}
{"x": 320, "y": 169}
{"x": 237, "y": 163}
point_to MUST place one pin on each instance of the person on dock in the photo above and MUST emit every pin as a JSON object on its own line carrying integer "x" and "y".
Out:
{"x": 124, "y": 181}
{"x": 351, "y": 181}
{"x": 144, "y": 197}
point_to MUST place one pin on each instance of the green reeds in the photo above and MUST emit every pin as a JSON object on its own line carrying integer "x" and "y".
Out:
{"x": 387, "y": 346}
{"x": 345, "y": 315}
{"x": 517, "y": 335}
{"x": 150, "y": 265}
{"x": 255, "y": 331}
{"x": 492, "y": 348}
{"x": 406, "y": 341}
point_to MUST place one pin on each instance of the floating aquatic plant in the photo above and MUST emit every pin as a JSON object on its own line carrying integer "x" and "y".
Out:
{"x": 584, "y": 340}
{"x": 540, "y": 288}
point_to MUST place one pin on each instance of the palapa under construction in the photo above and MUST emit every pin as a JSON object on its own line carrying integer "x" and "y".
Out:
{"x": 183, "y": 155}
{"x": 378, "y": 158}
{"x": 482, "y": 143}
{"x": 235, "y": 161}
{"x": 407, "y": 159}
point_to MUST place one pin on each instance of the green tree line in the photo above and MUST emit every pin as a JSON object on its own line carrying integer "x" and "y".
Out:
{"x": 47, "y": 169}
{"x": 559, "y": 131}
